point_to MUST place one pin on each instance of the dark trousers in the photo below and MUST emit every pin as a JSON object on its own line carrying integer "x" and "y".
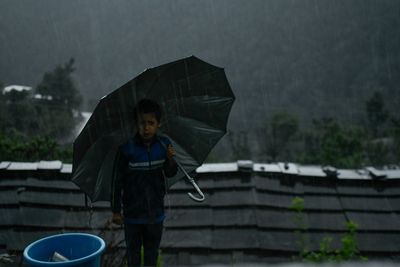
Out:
{"x": 148, "y": 235}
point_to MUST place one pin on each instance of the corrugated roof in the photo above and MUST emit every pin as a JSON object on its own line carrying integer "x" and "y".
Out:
{"x": 257, "y": 216}
{"x": 392, "y": 174}
{"x": 218, "y": 167}
{"x": 314, "y": 171}
{"x": 32, "y": 207}
{"x": 4, "y": 164}
{"x": 353, "y": 174}
{"x": 49, "y": 165}
{"x": 262, "y": 167}
{"x": 247, "y": 216}
{"x": 22, "y": 166}
{"x": 66, "y": 168}
{"x": 288, "y": 168}
{"x": 280, "y": 167}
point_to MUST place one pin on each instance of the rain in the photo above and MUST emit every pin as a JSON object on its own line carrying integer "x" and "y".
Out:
{"x": 271, "y": 51}
{"x": 316, "y": 89}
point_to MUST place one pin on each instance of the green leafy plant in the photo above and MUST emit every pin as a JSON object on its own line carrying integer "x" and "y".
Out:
{"x": 377, "y": 115}
{"x": 17, "y": 148}
{"x": 396, "y": 135}
{"x": 283, "y": 127}
{"x": 239, "y": 143}
{"x": 348, "y": 250}
{"x": 52, "y": 109}
{"x": 159, "y": 261}
{"x": 298, "y": 207}
{"x": 331, "y": 144}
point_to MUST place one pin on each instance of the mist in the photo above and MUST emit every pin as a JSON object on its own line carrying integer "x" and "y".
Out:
{"x": 310, "y": 58}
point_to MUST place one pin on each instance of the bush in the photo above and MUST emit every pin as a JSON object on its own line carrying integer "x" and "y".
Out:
{"x": 348, "y": 251}
{"x": 36, "y": 149}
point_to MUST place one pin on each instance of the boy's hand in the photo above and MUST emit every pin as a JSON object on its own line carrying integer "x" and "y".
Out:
{"x": 117, "y": 218}
{"x": 171, "y": 152}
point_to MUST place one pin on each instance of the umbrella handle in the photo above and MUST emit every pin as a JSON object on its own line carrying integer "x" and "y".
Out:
{"x": 198, "y": 199}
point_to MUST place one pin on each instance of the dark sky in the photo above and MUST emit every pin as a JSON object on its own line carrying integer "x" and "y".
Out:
{"x": 309, "y": 57}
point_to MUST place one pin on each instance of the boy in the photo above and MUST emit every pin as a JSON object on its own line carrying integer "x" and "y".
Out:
{"x": 139, "y": 177}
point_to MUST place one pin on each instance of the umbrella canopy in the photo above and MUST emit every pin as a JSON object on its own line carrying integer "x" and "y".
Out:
{"x": 196, "y": 100}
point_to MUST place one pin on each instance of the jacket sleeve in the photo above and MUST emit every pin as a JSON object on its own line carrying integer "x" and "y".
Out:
{"x": 120, "y": 165}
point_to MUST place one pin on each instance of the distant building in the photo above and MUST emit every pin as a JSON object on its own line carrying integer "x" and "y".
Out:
{"x": 246, "y": 217}
{"x": 19, "y": 88}
{"x": 42, "y": 97}
{"x": 22, "y": 88}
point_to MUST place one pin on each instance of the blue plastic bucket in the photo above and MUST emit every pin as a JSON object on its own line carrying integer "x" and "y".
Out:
{"x": 83, "y": 250}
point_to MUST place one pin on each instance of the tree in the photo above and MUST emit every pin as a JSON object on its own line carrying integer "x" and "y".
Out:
{"x": 19, "y": 148}
{"x": 52, "y": 115}
{"x": 283, "y": 127}
{"x": 60, "y": 101}
{"x": 3, "y": 109}
{"x": 378, "y": 145}
{"x": 376, "y": 113}
{"x": 239, "y": 144}
{"x": 378, "y": 152}
{"x": 330, "y": 144}
{"x": 20, "y": 113}
{"x": 59, "y": 85}
{"x": 396, "y": 137}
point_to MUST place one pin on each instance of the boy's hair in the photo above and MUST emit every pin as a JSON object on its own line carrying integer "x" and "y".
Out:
{"x": 148, "y": 106}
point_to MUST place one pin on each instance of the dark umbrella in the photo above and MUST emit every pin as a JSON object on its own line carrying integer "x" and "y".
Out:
{"x": 196, "y": 99}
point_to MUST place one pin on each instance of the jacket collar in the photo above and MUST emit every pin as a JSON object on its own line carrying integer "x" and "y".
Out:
{"x": 138, "y": 140}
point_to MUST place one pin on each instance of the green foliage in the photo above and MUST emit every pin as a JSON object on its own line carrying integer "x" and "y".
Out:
{"x": 59, "y": 111}
{"x": 378, "y": 152}
{"x": 239, "y": 144}
{"x": 298, "y": 207}
{"x": 3, "y": 110}
{"x": 16, "y": 148}
{"x": 330, "y": 144}
{"x": 19, "y": 113}
{"x": 380, "y": 143}
{"x": 396, "y": 136}
{"x": 348, "y": 251}
{"x": 51, "y": 116}
{"x": 376, "y": 113}
{"x": 324, "y": 254}
{"x": 59, "y": 84}
{"x": 283, "y": 127}
{"x": 159, "y": 259}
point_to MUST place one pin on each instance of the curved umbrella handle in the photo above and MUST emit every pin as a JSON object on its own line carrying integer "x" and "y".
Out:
{"x": 202, "y": 197}
{"x": 199, "y": 199}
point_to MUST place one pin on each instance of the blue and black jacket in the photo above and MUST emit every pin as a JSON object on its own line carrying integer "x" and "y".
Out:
{"x": 138, "y": 179}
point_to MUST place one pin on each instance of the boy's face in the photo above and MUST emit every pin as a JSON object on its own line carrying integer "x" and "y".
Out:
{"x": 147, "y": 126}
